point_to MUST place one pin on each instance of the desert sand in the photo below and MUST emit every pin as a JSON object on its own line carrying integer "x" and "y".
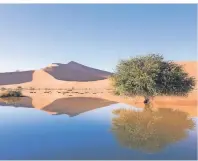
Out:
{"x": 48, "y": 89}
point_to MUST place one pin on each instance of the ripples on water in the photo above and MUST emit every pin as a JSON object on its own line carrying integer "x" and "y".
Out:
{"x": 93, "y": 128}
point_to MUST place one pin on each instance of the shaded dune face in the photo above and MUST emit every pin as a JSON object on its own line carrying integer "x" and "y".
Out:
{"x": 76, "y": 72}
{"x": 76, "y": 105}
{"x": 15, "y": 77}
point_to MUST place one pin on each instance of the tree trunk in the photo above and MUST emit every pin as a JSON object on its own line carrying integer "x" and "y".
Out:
{"x": 146, "y": 100}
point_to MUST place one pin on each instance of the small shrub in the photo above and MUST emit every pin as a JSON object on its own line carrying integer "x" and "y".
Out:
{"x": 19, "y": 88}
{"x": 31, "y": 88}
{"x": 3, "y": 89}
{"x": 11, "y": 93}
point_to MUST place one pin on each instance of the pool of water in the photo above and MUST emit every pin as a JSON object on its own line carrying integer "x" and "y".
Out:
{"x": 103, "y": 133}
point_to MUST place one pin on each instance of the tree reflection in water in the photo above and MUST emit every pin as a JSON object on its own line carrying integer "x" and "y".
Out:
{"x": 149, "y": 130}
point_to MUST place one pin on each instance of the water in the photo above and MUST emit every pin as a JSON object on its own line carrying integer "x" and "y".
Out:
{"x": 30, "y": 133}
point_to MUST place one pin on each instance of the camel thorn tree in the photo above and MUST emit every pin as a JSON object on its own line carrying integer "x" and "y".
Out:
{"x": 151, "y": 76}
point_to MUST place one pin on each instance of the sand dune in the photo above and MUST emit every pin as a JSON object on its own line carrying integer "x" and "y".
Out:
{"x": 15, "y": 77}
{"x": 58, "y": 76}
{"x": 42, "y": 79}
{"x": 75, "y": 72}
{"x": 66, "y": 72}
{"x": 190, "y": 67}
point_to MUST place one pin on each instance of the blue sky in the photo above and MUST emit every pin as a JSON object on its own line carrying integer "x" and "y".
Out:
{"x": 33, "y": 36}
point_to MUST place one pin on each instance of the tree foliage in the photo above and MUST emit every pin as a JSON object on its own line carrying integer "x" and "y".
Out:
{"x": 150, "y": 76}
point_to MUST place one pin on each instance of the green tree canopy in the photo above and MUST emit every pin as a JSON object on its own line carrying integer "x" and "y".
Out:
{"x": 150, "y": 76}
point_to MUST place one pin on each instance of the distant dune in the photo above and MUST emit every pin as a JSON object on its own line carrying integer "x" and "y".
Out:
{"x": 75, "y": 72}
{"x": 15, "y": 77}
{"x": 51, "y": 75}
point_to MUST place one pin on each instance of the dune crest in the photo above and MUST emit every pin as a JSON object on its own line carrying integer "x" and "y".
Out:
{"x": 40, "y": 76}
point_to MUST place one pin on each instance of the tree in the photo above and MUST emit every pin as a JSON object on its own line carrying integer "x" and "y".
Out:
{"x": 150, "y": 131}
{"x": 150, "y": 76}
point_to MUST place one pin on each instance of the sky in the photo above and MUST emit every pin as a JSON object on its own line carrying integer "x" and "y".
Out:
{"x": 33, "y": 36}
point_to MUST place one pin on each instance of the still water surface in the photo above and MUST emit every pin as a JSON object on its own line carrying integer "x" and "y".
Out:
{"x": 95, "y": 132}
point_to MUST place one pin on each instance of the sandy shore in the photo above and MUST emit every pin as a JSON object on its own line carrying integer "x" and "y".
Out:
{"x": 43, "y": 98}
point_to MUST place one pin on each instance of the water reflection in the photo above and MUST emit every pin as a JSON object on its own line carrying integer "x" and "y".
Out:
{"x": 31, "y": 134}
{"x": 11, "y": 100}
{"x": 16, "y": 102}
{"x": 76, "y": 105}
{"x": 71, "y": 106}
{"x": 150, "y": 130}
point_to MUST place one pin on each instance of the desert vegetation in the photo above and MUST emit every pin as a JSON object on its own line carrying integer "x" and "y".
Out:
{"x": 19, "y": 88}
{"x": 151, "y": 76}
{"x": 3, "y": 89}
{"x": 11, "y": 93}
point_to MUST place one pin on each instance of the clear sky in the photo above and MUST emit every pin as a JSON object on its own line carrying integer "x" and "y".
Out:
{"x": 33, "y": 36}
